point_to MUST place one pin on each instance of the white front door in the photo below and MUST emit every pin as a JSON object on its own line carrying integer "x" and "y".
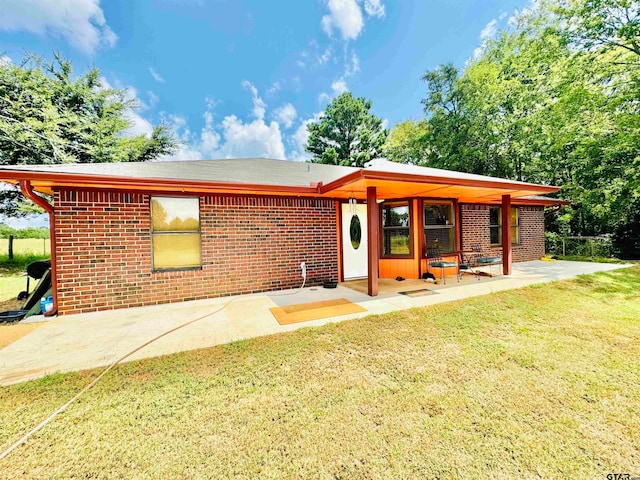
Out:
{"x": 354, "y": 241}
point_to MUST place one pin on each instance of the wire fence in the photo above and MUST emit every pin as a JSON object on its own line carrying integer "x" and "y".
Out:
{"x": 24, "y": 246}
{"x": 579, "y": 246}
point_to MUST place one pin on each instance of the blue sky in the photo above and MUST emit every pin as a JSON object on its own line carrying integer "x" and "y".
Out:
{"x": 237, "y": 78}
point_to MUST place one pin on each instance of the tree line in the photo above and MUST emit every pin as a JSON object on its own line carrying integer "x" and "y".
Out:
{"x": 554, "y": 98}
{"x": 31, "y": 232}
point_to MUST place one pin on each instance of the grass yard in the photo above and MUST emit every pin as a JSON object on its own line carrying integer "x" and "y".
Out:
{"x": 38, "y": 246}
{"x": 541, "y": 382}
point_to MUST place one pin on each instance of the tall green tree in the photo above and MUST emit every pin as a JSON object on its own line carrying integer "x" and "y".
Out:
{"x": 347, "y": 134}
{"x": 408, "y": 142}
{"x": 49, "y": 116}
{"x": 552, "y": 99}
{"x": 602, "y": 24}
{"x": 460, "y": 135}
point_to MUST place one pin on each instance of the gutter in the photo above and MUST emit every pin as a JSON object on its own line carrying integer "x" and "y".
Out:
{"x": 556, "y": 209}
{"x": 49, "y": 179}
{"x": 27, "y": 191}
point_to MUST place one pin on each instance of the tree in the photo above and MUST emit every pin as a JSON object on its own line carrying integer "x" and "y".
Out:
{"x": 47, "y": 116}
{"x": 408, "y": 143}
{"x": 460, "y": 134}
{"x": 553, "y": 99}
{"x": 347, "y": 134}
{"x": 602, "y": 24}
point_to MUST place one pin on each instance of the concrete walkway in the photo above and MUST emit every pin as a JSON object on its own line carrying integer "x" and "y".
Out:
{"x": 78, "y": 342}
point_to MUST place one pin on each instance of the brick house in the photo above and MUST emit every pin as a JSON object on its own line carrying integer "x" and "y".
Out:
{"x": 133, "y": 234}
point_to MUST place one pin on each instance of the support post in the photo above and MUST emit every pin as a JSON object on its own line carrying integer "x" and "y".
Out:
{"x": 507, "y": 252}
{"x": 10, "y": 247}
{"x": 373, "y": 239}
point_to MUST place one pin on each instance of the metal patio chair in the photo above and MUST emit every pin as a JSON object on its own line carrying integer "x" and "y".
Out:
{"x": 435, "y": 260}
{"x": 480, "y": 259}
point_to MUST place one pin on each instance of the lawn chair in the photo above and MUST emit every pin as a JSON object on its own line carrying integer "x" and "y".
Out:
{"x": 468, "y": 260}
{"x": 435, "y": 260}
{"x": 482, "y": 259}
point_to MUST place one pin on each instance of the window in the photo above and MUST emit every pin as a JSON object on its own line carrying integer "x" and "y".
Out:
{"x": 495, "y": 225}
{"x": 175, "y": 232}
{"x": 396, "y": 222}
{"x": 439, "y": 226}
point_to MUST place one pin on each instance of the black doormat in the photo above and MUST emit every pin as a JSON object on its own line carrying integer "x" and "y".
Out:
{"x": 417, "y": 293}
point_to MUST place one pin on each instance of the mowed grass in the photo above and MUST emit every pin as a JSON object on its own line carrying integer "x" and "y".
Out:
{"x": 38, "y": 246}
{"x": 541, "y": 382}
{"x": 11, "y": 285}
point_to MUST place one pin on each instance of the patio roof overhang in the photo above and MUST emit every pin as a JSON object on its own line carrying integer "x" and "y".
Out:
{"x": 466, "y": 189}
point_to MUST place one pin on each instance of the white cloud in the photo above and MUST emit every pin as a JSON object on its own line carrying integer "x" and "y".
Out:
{"x": 4, "y": 60}
{"x": 209, "y": 138}
{"x": 489, "y": 30}
{"x": 325, "y": 57}
{"x": 259, "y": 107}
{"x": 156, "y": 76}
{"x": 232, "y": 137}
{"x": 345, "y": 16}
{"x": 138, "y": 124}
{"x": 274, "y": 88}
{"x": 300, "y": 138}
{"x": 185, "y": 150}
{"x": 285, "y": 115}
{"x": 352, "y": 66}
{"x": 337, "y": 87}
{"x": 374, "y": 8}
{"x": 80, "y": 22}
{"x": 153, "y": 99}
{"x": 486, "y": 34}
{"x": 476, "y": 54}
{"x": 255, "y": 139}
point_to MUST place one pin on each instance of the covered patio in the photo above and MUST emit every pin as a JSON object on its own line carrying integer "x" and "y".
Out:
{"x": 90, "y": 340}
{"x": 383, "y": 186}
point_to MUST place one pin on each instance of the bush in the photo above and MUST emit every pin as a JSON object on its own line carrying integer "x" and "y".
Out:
{"x": 32, "y": 232}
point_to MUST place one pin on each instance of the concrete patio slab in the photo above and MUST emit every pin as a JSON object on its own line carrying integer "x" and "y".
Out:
{"x": 83, "y": 341}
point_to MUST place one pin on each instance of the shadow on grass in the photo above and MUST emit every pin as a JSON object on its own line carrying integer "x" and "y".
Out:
{"x": 19, "y": 262}
{"x": 625, "y": 282}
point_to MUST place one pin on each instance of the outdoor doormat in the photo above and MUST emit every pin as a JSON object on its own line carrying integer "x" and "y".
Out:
{"x": 304, "y": 312}
{"x": 417, "y": 293}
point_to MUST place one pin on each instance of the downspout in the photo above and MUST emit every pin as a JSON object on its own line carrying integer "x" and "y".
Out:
{"x": 27, "y": 191}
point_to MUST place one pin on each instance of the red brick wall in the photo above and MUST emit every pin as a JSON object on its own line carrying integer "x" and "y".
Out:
{"x": 475, "y": 229}
{"x": 249, "y": 244}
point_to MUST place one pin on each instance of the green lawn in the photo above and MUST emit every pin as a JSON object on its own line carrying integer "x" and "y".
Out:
{"x": 38, "y": 246}
{"x": 11, "y": 285}
{"x": 539, "y": 382}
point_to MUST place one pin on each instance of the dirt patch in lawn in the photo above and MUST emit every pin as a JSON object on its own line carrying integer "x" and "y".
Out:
{"x": 11, "y": 332}
{"x": 11, "y": 304}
